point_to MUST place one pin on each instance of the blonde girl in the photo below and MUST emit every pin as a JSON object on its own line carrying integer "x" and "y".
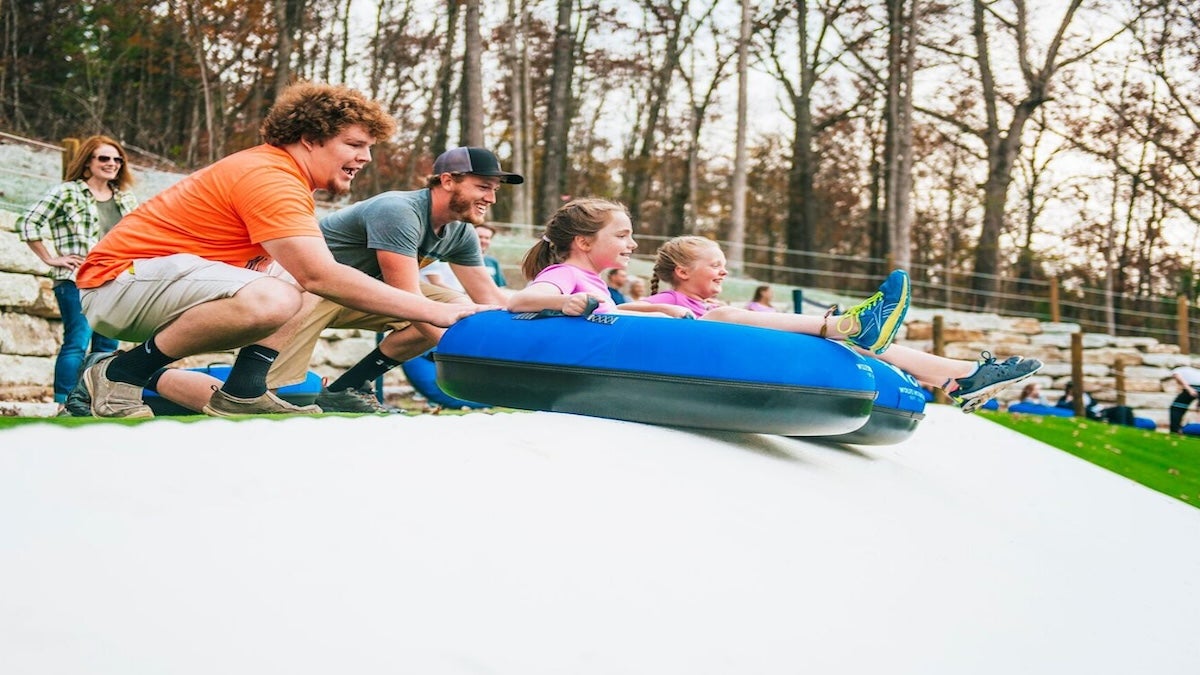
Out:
{"x": 695, "y": 269}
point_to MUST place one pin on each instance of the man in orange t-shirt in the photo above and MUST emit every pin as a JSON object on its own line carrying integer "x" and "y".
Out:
{"x": 220, "y": 259}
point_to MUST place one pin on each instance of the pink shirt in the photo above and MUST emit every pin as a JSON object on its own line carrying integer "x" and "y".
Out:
{"x": 698, "y": 307}
{"x": 570, "y": 279}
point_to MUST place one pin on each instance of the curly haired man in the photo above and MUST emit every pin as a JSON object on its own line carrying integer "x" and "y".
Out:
{"x": 220, "y": 260}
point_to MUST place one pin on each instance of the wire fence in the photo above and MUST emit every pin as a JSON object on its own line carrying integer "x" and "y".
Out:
{"x": 1168, "y": 320}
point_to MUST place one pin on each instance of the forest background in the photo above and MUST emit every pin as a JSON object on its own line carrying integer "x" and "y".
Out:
{"x": 994, "y": 148}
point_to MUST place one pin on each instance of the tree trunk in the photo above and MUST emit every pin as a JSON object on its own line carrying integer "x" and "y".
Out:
{"x": 441, "y": 134}
{"x": 801, "y": 199}
{"x": 1003, "y": 145}
{"x": 552, "y": 182}
{"x": 638, "y": 175}
{"x": 288, "y": 14}
{"x": 197, "y": 37}
{"x": 902, "y": 42}
{"x": 518, "y": 90}
{"x": 737, "y": 215}
{"x": 472, "y": 78}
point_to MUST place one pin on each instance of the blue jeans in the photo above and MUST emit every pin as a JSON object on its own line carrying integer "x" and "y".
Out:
{"x": 77, "y": 336}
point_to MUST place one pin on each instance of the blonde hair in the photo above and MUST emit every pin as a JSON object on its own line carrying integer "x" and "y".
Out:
{"x": 676, "y": 253}
{"x": 576, "y": 218}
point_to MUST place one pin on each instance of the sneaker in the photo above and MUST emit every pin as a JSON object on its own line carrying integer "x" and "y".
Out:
{"x": 223, "y": 405}
{"x": 350, "y": 400}
{"x": 879, "y": 316}
{"x": 990, "y": 378}
{"x": 79, "y": 400}
{"x": 109, "y": 398}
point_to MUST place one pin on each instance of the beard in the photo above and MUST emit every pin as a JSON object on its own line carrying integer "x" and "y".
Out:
{"x": 338, "y": 185}
{"x": 464, "y": 209}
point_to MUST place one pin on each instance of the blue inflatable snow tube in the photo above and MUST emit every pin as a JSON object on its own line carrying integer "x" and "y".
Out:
{"x": 702, "y": 374}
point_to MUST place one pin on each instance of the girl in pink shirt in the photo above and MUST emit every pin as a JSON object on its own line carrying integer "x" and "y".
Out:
{"x": 582, "y": 239}
{"x": 695, "y": 268}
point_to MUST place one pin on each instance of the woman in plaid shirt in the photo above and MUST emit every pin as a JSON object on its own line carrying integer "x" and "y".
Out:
{"x": 73, "y": 216}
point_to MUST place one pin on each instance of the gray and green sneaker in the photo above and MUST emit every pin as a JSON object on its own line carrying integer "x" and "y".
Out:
{"x": 879, "y": 316}
{"x": 990, "y": 378}
{"x": 349, "y": 400}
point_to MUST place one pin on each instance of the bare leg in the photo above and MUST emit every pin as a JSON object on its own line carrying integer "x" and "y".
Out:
{"x": 929, "y": 369}
{"x": 792, "y": 323}
{"x": 189, "y": 388}
{"x": 402, "y": 345}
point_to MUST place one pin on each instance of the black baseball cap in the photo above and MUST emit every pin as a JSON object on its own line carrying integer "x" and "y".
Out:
{"x": 478, "y": 161}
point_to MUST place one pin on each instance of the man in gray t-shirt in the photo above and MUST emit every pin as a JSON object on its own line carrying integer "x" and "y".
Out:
{"x": 391, "y": 236}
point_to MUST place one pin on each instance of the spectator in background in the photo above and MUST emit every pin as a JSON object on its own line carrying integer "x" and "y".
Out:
{"x": 617, "y": 277}
{"x": 1188, "y": 379}
{"x": 637, "y": 289}
{"x": 1032, "y": 393}
{"x": 439, "y": 274}
{"x": 762, "y": 299}
{"x": 1090, "y": 407}
{"x": 74, "y": 215}
{"x": 485, "y": 233}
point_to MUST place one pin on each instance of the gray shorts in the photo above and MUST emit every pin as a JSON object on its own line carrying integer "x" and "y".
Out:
{"x": 152, "y": 293}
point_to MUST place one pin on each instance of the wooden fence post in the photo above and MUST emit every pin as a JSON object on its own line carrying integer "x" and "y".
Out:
{"x": 939, "y": 348}
{"x": 70, "y": 147}
{"x": 1181, "y": 323}
{"x": 1055, "y": 311}
{"x": 1119, "y": 373}
{"x": 1077, "y": 372}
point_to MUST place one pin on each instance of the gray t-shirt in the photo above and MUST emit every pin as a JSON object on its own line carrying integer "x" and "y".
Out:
{"x": 398, "y": 222}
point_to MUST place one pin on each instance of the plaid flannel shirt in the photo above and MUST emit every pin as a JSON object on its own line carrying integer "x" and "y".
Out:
{"x": 68, "y": 213}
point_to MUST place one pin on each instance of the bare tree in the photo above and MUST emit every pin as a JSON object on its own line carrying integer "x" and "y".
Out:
{"x": 737, "y": 216}
{"x": 1003, "y": 142}
{"x": 472, "y": 77}
{"x": 552, "y": 179}
{"x": 519, "y": 122}
{"x": 667, "y": 23}
{"x": 681, "y": 214}
{"x": 815, "y": 55}
{"x": 445, "y": 88}
{"x": 898, "y": 155}
{"x": 288, "y": 17}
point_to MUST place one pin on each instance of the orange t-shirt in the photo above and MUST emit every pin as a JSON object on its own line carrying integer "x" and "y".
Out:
{"x": 222, "y": 212}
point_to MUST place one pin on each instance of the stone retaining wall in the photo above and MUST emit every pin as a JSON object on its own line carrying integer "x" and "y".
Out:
{"x": 30, "y": 334}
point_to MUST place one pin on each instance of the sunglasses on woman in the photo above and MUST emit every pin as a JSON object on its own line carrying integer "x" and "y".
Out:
{"x": 105, "y": 159}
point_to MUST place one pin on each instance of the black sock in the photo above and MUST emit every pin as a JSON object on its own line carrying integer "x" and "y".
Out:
{"x": 372, "y": 365}
{"x": 152, "y": 383}
{"x": 139, "y": 364}
{"x": 248, "y": 376}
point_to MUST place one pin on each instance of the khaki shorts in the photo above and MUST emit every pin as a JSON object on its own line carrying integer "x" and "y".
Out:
{"x": 152, "y": 293}
{"x": 292, "y": 364}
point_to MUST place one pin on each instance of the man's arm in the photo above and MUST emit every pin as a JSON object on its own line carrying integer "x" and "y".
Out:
{"x": 401, "y": 271}
{"x": 309, "y": 261}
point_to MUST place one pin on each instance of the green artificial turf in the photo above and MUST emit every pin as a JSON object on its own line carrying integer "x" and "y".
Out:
{"x": 1168, "y": 463}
